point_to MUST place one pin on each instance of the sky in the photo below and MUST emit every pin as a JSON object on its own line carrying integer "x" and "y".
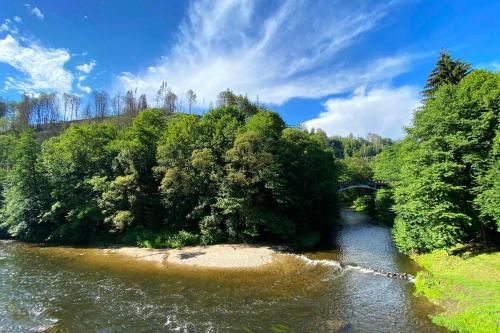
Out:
{"x": 343, "y": 66}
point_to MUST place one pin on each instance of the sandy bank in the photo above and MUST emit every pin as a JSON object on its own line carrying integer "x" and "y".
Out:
{"x": 213, "y": 256}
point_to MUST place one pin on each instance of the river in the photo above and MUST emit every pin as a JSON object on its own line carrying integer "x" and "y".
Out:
{"x": 62, "y": 289}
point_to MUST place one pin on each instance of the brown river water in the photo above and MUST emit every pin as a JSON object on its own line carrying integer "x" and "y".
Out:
{"x": 63, "y": 289}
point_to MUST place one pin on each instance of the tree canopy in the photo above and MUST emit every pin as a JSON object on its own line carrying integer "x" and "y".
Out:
{"x": 447, "y": 71}
{"x": 235, "y": 173}
{"x": 445, "y": 172}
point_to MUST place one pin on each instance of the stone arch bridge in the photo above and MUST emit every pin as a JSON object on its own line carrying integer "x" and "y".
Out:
{"x": 371, "y": 185}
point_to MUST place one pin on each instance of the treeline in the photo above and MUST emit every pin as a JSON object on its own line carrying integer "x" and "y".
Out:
{"x": 358, "y": 147}
{"x": 445, "y": 174}
{"x": 355, "y": 158}
{"x": 171, "y": 179}
{"x": 40, "y": 111}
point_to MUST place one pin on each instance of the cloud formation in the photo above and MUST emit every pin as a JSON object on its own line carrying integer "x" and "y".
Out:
{"x": 35, "y": 11}
{"x": 86, "y": 68}
{"x": 43, "y": 68}
{"x": 8, "y": 26}
{"x": 290, "y": 49}
{"x": 82, "y": 87}
{"x": 382, "y": 110}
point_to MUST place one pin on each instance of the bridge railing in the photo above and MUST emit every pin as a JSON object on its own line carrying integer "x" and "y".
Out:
{"x": 369, "y": 182}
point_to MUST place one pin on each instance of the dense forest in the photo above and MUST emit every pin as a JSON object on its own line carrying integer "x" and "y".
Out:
{"x": 443, "y": 178}
{"x": 445, "y": 174}
{"x": 125, "y": 172}
{"x": 235, "y": 173}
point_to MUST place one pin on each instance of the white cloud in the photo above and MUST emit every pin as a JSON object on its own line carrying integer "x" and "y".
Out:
{"x": 86, "y": 68}
{"x": 82, "y": 87}
{"x": 382, "y": 110}
{"x": 9, "y": 27}
{"x": 18, "y": 19}
{"x": 35, "y": 11}
{"x": 43, "y": 68}
{"x": 292, "y": 50}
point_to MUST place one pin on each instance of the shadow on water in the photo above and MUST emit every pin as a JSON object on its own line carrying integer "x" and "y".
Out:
{"x": 64, "y": 289}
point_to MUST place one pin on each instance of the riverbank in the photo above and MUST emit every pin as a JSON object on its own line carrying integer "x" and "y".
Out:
{"x": 466, "y": 285}
{"x": 232, "y": 256}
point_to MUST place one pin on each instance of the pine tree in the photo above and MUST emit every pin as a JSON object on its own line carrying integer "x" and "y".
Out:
{"x": 447, "y": 71}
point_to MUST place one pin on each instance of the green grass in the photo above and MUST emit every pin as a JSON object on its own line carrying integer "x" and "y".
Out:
{"x": 466, "y": 285}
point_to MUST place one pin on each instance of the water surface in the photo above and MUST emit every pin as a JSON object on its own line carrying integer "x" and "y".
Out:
{"x": 59, "y": 289}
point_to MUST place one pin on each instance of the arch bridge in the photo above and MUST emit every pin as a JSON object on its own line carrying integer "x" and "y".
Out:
{"x": 371, "y": 185}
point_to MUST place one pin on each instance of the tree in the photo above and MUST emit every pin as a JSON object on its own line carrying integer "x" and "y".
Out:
{"x": 66, "y": 102}
{"x": 351, "y": 146}
{"x": 70, "y": 161}
{"x": 142, "y": 104}
{"x": 75, "y": 101}
{"x": 170, "y": 104}
{"x": 235, "y": 173}
{"x": 160, "y": 95}
{"x": 4, "y": 115}
{"x": 101, "y": 103}
{"x": 309, "y": 196}
{"x": 26, "y": 196}
{"x": 488, "y": 190}
{"x": 241, "y": 104}
{"x": 130, "y": 103}
{"x": 387, "y": 165}
{"x": 131, "y": 195}
{"x": 447, "y": 71}
{"x": 117, "y": 104}
{"x": 253, "y": 183}
{"x": 448, "y": 150}
{"x": 23, "y": 113}
{"x": 87, "y": 112}
{"x": 191, "y": 99}
{"x": 7, "y": 146}
{"x": 3, "y": 108}
{"x": 177, "y": 167}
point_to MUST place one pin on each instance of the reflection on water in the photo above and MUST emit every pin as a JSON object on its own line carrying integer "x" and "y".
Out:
{"x": 57, "y": 289}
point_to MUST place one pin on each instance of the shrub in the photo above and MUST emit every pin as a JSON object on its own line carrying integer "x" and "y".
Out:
{"x": 363, "y": 204}
{"x": 383, "y": 205}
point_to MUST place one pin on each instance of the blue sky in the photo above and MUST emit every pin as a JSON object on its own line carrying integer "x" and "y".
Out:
{"x": 344, "y": 66}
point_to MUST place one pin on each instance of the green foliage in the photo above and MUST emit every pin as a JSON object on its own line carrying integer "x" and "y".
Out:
{"x": 355, "y": 160}
{"x": 445, "y": 162}
{"x": 466, "y": 285}
{"x": 488, "y": 191}
{"x": 159, "y": 239}
{"x": 234, "y": 174}
{"x": 355, "y": 169}
{"x": 230, "y": 177}
{"x": 363, "y": 204}
{"x": 383, "y": 205}
{"x": 310, "y": 174}
{"x": 447, "y": 71}
{"x": 25, "y": 194}
{"x": 130, "y": 195}
{"x": 7, "y": 146}
{"x": 352, "y": 146}
{"x": 71, "y": 161}
{"x": 387, "y": 165}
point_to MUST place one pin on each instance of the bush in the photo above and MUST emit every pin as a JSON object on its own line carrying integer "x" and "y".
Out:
{"x": 160, "y": 239}
{"x": 363, "y": 204}
{"x": 383, "y": 205}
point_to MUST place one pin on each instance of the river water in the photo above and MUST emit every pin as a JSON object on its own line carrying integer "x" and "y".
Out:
{"x": 62, "y": 289}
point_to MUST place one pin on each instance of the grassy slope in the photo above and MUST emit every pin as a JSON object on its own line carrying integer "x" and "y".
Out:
{"x": 467, "y": 286}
